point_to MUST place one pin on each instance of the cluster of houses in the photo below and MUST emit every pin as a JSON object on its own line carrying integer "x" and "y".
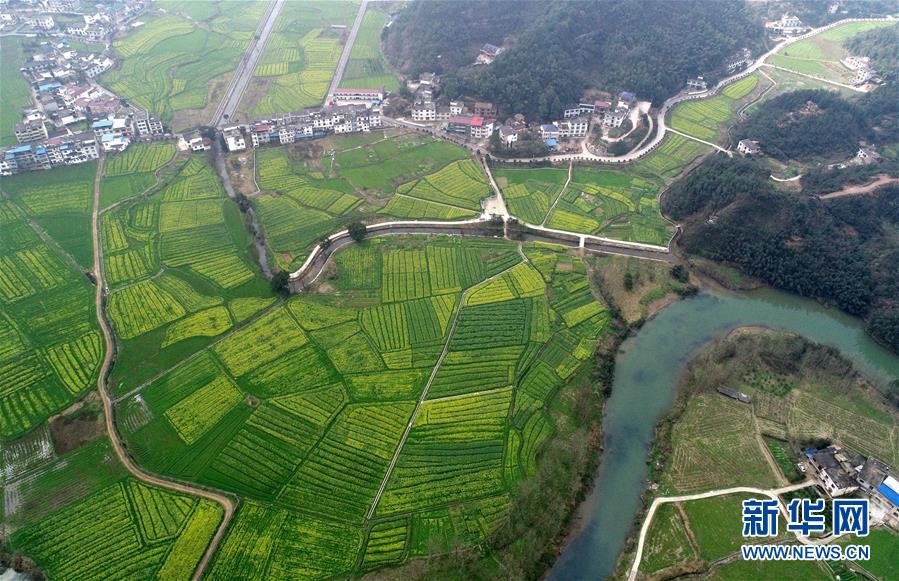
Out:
{"x": 861, "y": 66}
{"x": 842, "y": 472}
{"x": 293, "y": 127}
{"x": 108, "y": 132}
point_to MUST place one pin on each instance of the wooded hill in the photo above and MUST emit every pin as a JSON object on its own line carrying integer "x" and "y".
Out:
{"x": 557, "y": 49}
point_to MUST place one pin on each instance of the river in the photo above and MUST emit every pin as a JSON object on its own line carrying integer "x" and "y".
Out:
{"x": 647, "y": 371}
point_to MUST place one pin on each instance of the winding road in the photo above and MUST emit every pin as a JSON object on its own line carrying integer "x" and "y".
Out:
{"x": 226, "y": 503}
{"x": 771, "y": 493}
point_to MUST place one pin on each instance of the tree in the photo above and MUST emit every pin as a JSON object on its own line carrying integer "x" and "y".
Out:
{"x": 357, "y": 231}
{"x": 280, "y": 282}
{"x": 324, "y": 243}
{"x": 680, "y": 273}
{"x": 628, "y": 281}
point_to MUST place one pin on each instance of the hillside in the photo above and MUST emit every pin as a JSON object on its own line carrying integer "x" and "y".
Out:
{"x": 842, "y": 251}
{"x": 568, "y": 47}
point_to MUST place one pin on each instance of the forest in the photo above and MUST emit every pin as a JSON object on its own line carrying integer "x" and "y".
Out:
{"x": 842, "y": 251}
{"x": 561, "y": 49}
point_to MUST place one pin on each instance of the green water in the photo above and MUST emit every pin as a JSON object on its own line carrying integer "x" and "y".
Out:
{"x": 647, "y": 371}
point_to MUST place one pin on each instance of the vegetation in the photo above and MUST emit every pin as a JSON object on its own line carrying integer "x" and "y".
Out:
{"x": 175, "y": 61}
{"x": 587, "y": 37}
{"x": 836, "y": 250}
{"x": 299, "y": 58}
{"x": 177, "y": 264}
{"x": 284, "y": 408}
{"x": 705, "y": 118}
{"x": 367, "y": 67}
{"x": 16, "y": 91}
{"x": 878, "y": 44}
{"x": 801, "y": 392}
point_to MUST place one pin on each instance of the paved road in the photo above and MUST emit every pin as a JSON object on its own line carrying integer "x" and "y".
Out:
{"x": 347, "y": 49}
{"x": 772, "y": 493}
{"x": 99, "y": 302}
{"x": 243, "y": 74}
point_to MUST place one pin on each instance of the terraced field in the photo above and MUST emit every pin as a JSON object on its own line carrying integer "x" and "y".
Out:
{"x": 180, "y": 61}
{"x": 609, "y": 203}
{"x": 820, "y": 55}
{"x": 300, "y": 205}
{"x": 707, "y": 119}
{"x": 300, "y": 57}
{"x": 178, "y": 269}
{"x": 367, "y": 67}
{"x": 300, "y": 410}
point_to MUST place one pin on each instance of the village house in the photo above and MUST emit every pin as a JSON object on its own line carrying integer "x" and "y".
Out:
{"x": 471, "y": 125}
{"x": 507, "y": 135}
{"x": 57, "y": 151}
{"x": 787, "y": 25}
{"x": 549, "y": 131}
{"x": 627, "y": 98}
{"x": 749, "y": 147}
{"x": 193, "y": 141}
{"x": 234, "y": 139}
{"x": 424, "y": 111}
{"x": 367, "y": 97}
{"x": 738, "y": 60}
{"x": 488, "y": 54}
{"x": 30, "y": 132}
{"x": 456, "y": 108}
{"x": 697, "y": 84}
{"x": 573, "y": 128}
{"x": 837, "y": 469}
{"x": 146, "y": 125}
{"x": 41, "y": 21}
{"x": 614, "y": 118}
{"x": 579, "y": 109}
{"x": 734, "y": 394}
{"x": 483, "y": 109}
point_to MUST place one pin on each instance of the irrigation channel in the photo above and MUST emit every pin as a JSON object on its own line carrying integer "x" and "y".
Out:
{"x": 647, "y": 370}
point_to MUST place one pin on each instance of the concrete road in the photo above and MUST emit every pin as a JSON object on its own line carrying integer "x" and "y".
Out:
{"x": 345, "y": 55}
{"x": 247, "y": 67}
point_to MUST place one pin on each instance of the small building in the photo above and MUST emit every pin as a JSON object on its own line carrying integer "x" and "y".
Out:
{"x": 697, "y": 84}
{"x": 549, "y": 131}
{"x": 601, "y": 107}
{"x": 507, "y": 135}
{"x": 749, "y": 147}
{"x": 738, "y": 60}
{"x": 424, "y": 111}
{"x": 471, "y": 125}
{"x": 234, "y": 139}
{"x": 627, "y": 98}
{"x": 887, "y": 498}
{"x": 787, "y": 25}
{"x": 364, "y": 96}
{"x": 456, "y": 107}
{"x": 579, "y": 109}
{"x": 573, "y": 128}
{"x": 734, "y": 394}
{"x": 30, "y": 132}
{"x": 484, "y": 109}
{"x": 614, "y": 118}
{"x": 427, "y": 79}
{"x": 147, "y": 125}
{"x": 491, "y": 51}
{"x": 837, "y": 470}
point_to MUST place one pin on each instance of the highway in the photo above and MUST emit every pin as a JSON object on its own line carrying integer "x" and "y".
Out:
{"x": 347, "y": 49}
{"x": 244, "y": 73}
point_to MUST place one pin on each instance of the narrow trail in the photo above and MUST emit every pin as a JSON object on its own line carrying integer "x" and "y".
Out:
{"x": 770, "y": 493}
{"x": 424, "y": 392}
{"x": 559, "y": 197}
{"x": 857, "y": 190}
{"x": 226, "y": 503}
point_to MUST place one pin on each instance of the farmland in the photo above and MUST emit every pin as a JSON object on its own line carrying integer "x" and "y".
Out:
{"x": 707, "y": 119}
{"x": 714, "y": 442}
{"x": 177, "y": 264}
{"x": 177, "y": 64}
{"x": 16, "y": 92}
{"x": 79, "y": 516}
{"x": 402, "y": 176}
{"x": 300, "y": 410}
{"x": 820, "y": 55}
{"x": 367, "y": 67}
{"x": 300, "y": 58}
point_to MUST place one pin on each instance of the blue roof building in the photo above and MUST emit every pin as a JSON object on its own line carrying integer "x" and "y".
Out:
{"x": 889, "y": 488}
{"x": 48, "y": 87}
{"x": 101, "y": 124}
{"x": 552, "y": 143}
{"x": 627, "y": 97}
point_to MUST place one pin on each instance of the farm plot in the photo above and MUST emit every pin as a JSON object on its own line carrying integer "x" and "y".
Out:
{"x": 612, "y": 204}
{"x": 171, "y": 260}
{"x": 140, "y": 158}
{"x": 669, "y": 159}
{"x": 173, "y": 64}
{"x": 706, "y": 118}
{"x": 59, "y": 202}
{"x": 50, "y": 346}
{"x": 300, "y": 57}
{"x": 529, "y": 193}
{"x": 458, "y": 185}
{"x": 125, "y": 529}
{"x": 367, "y": 67}
{"x": 301, "y": 410}
{"x": 16, "y": 91}
{"x": 820, "y": 55}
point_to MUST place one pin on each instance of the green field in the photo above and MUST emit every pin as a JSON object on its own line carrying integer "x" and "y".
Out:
{"x": 172, "y": 64}
{"x": 406, "y": 176}
{"x": 300, "y": 411}
{"x": 707, "y": 118}
{"x": 367, "y": 67}
{"x": 178, "y": 267}
{"x": 80, "y": 516}
{"x": 820, "y": 55}
{"x": 667, "y": 543}
{"x": 300, "y": 57}
{"x": 16, "y": 93}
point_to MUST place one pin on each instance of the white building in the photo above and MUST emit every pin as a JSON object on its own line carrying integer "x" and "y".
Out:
{"x": 614, "y": 118}
{"x": 749, "y": 147}
{"x": 364, "y": 96}
{"x": 573, "y": 128}
{"x": 424, "y": 111}
{"x": 234, "y": 139}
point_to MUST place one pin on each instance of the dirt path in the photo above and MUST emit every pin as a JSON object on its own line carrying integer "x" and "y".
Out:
{"x": 117, "y": 445}
{"x": 772, "y": 494}
{"x": 559, "y": 197}
{"x": 882, "y": 180}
